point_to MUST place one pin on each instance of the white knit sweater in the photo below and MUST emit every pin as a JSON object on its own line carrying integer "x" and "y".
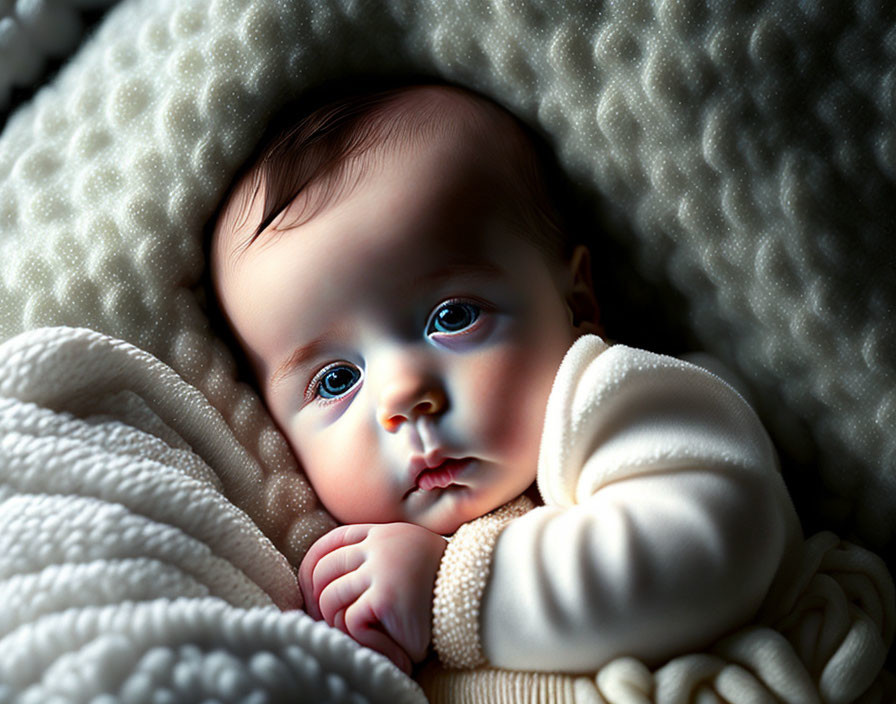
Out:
{"x": 665, "y": 523}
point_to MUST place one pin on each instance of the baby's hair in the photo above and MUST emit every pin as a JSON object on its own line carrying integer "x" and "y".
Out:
{"x": 310, "y": 146}
{"x": 307, "y": 146}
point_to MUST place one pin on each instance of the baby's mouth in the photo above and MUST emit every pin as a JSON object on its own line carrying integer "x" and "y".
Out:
{"x": 441, "y": 476}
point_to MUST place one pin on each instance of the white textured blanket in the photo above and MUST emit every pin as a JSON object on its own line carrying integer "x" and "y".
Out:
{"x": 125, "y": 569}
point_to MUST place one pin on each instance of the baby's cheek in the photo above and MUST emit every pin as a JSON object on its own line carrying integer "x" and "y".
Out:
{"x": 338, "y": 468}
{"x": 512, "y": 388}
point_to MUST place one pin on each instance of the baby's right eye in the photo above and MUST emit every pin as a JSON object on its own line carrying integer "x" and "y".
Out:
{"x": 335, "y": 381}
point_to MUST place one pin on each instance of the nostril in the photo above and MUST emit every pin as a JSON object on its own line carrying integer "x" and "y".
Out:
{"x": 391, "y": 422}
{"x": 433, "y": 402}
{"x": 394, "y": 409}
{"x": 426, "y": 407}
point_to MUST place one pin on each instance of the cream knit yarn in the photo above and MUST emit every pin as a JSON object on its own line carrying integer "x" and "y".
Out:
{"x": 461, "y": 582}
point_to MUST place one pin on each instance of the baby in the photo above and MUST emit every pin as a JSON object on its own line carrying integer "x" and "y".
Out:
{"x": 397, "y": 273}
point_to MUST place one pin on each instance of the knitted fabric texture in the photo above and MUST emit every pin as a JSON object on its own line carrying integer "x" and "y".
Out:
{"x": 460, "y": 583}
{"x": 33, "y": 34}
{"x": 125, "y": 573}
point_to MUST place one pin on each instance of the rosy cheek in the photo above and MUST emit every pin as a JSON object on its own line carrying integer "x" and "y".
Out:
{"x": 315, "y": 453}
{"x": 509, "y": 407}
{"x": 342, "y": 463}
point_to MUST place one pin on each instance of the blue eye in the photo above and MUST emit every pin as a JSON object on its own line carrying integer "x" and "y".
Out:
{"x": 336, "y": 381}
{"x": 453, "y": 317}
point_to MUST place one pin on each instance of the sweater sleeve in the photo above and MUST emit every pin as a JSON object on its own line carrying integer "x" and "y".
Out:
{"x": 665, "y": 521}
{"x": 463, "y": 574}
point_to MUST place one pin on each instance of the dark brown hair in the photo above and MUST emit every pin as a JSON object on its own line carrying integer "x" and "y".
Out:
{"x": 308, "y": 145}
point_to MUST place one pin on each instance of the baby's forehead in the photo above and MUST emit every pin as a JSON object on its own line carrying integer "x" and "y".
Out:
{"x": 322, "y": 163}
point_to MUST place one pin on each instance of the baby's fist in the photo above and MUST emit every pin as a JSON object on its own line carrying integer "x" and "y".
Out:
{"x": 375, "y": 583}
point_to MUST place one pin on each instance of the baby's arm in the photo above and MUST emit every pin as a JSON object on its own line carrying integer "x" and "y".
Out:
{"x": 374, "y": 582}
{"x": 666, "y": 522}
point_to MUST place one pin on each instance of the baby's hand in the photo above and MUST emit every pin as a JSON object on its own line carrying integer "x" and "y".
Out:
{"x": 375, "y": 583}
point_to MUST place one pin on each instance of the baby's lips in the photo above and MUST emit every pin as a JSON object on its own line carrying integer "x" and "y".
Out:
{"x": 421, "y": 463}
{"x": 441, "y": 476}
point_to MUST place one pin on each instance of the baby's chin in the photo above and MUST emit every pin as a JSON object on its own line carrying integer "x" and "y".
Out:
{"x": 453, "y": 507}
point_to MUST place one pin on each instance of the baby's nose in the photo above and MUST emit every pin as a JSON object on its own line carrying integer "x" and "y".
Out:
{"x": 401, "y": 402}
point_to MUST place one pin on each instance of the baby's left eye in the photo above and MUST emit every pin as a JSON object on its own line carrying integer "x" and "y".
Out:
{"x": 453, "y": 317}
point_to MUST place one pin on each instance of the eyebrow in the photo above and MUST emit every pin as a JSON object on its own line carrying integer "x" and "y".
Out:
{"x": 300, "y": 355}
{"x": 451, "y": 271}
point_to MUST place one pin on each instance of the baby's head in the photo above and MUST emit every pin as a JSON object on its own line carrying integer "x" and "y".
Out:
{"x": 396, "y": 275}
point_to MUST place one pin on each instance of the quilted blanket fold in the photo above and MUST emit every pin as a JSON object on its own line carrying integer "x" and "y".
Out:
{"x": 125, "y": 569}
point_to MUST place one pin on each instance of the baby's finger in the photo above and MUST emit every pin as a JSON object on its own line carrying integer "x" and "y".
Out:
{"x": 336, "y": 538}
{"x": 362, "y": 625}
{"x": 340, "y": 594}
{"x": 307, "y": 588}
{"x": 340, "y": 537}
{"x": 339, "y": 621}
{"x": 332, "y": 566}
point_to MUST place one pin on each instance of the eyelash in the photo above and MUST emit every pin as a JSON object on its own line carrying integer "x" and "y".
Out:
{"x": 313, "y": 389}
{"x": 478, "y": 306}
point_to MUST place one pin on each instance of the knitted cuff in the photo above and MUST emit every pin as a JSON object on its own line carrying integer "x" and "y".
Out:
{"x": 460, "y": 583}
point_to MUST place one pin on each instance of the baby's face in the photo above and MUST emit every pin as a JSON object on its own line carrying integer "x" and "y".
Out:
{"x": 405, "y": 338}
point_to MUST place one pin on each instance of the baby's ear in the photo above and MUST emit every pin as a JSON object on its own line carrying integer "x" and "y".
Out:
{"x": 580, "y": 299}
